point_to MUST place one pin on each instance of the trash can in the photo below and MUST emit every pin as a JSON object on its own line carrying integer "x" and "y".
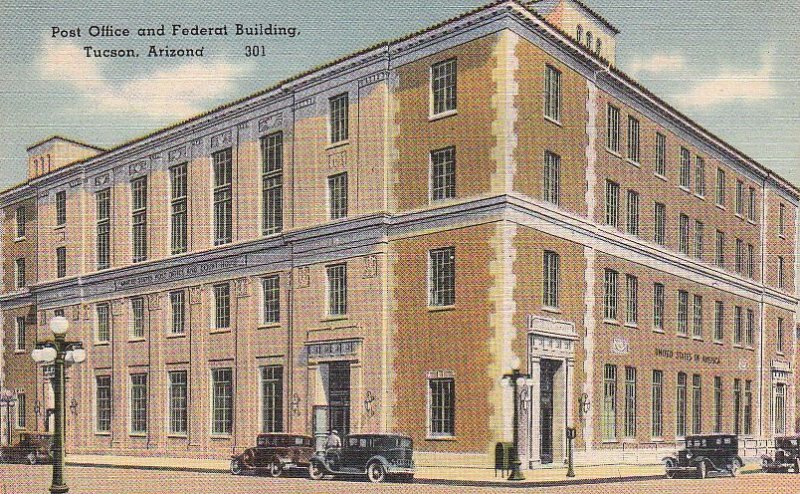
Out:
{"x": 502, "y": 458}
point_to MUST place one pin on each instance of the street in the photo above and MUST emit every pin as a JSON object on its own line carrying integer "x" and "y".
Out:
{"x": 24, "y": 479}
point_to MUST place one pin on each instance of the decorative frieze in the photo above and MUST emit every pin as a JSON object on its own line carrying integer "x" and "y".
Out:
{"x": 372, "y": 79}
{"x": 102, "y": 180}
{"x": 242, "y": 286}
{"x": 370, "y": 267}
{"x": 304, "y": 103}
{"x": 177, "y": 154}
{"x": 138, "y": 168}
{"x": 337, "y": 161}
{"x": 223, "y": 139}
{"x": 117, "y": 307}
{"x": 154, "y": 301}
{"x": 334, "y": 349}
{"x": 271, "y": 122}
{"x": 195, "y": 295}
{"x": 303, "y": 277}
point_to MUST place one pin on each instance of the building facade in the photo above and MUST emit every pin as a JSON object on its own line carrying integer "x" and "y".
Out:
{"x": 370, "y": 245}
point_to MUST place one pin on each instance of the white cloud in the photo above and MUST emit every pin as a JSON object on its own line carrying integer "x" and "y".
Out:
{"x": 658, "y": 64}
{"x": 731, "y": 85}
{"x": 176, "y": 92}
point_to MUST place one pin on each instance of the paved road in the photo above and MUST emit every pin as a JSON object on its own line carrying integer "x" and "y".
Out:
{"x": 24, "y": 479}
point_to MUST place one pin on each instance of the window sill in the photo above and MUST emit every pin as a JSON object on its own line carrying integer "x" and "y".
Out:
{"x": 552, "y": 310}
{"x": 662, "y": 177}
{"x": 739, "y": 215}
{"x": 107, "y": 434}
{"x": 682, "y": 335}
{"x": 750, "y": 348}
{"x": 59, "y": 227}
{"x": 738, "y": 345}
{"x": 614, "y": 153}
{"x": 718, "y": 342}
{"x": 657, "y": 439}
{"x": 220, "y": 437}
{"x": 441, "y": 308}
{"x": 553, "y": 121}
{"x": 631, "y": 325}
{"x": 685, "y": 189}
{"x": 702, "y": 197}
{"x": 609, "y": 441}
{"x": 752, "y": 222}
{"x": 720, "y": 206}
{"x": 444, "y": 114}
{"x": 339, "y": 144}
{"x": 441, "y": 438}
{"x": 335, "y": 318}
{"x": 220, "y": 331}
{"x": 136, "y": 340}
{"x": 19, "y": 239}
{"x": 177, "y": 436}
{"x": 697, "y": 338}
{"x": 102, "y": 343}
{"x": 20, "y": 352}
{"x": 273, "y": 325}
{"x": 659, "y": 331}
{"x": 137, "y": 434}
{"x": 613, "y": 322}
{"x": 176, "y": 335}
{"x": 782, "y": 237}
{"x": 634, "y": 163}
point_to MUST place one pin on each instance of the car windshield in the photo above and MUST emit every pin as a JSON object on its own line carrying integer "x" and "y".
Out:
{"x": 393, "y": 442}
{"x": 789, "y": 443}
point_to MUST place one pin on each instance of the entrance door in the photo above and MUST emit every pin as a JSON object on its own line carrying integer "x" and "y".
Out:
{"x": 548, "y": 370}
{"x": 339, "y": 397}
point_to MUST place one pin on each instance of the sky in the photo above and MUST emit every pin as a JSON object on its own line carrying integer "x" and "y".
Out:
{"x": 731, "y": 65}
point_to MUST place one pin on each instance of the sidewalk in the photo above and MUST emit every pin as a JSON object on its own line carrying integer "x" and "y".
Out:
{"x": 424, "y": 474}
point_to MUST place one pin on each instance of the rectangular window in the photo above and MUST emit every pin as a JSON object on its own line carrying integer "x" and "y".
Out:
{"x": 612, "y": 130}
{"x": 738, "y": 325}
{"x": 739, "y": 256}
{"x": 719, "y": 320}
{"x": 138, "y": 403}
{"x": 683, "y": 312}
{"x": 178, "y": 304}
{"x": 782, "y": 220}
{"x": 442, "y": 277}
{"x": 698, "y": 239}
{"x": 697, "y": 405}
{"x": 19, "y": 273}
{"x": 751, "y": 261}
{"x": 271, "y": 299}
{"x": 137, "y": 318}
{"x": 720, "y": 187}
{"x": 443, "y": 174}
{"x": 610, "y": 402}
{"x": 612, "y": 203}
{"x": 103, "y": 205}
{"x": 178, "y": 208}
{"x": 272, "y": 183}
{"x": 737, "y": 406}
{"x": 178, "y": 402}
{"x": 657, "y": 401}
{"x": 661, "y": 154}
{"x": 610, "y": 299}
{"x": 339, "y": 126}
{"x": 683, "y": 239}
{"x": 632, "y": 299}
{"x": 61, "y": 208}
{"x": 720, "y": 249}
{"x": 103, "y": 403}
{"x": 222, "y": 401}
{"x": 552, "y": 93}
{"x": 686, "y": 168}
{"x": 223, "y": 196}
{"x": 779, "y": 335}
{"x": 699, "y": 176}
{"x": 633, "y": 213}
{"x": 717, "y": 404}
{"x": 748, "y": 408}
{"x": 751, "y": 327}
{"x": 633, "y": 139}
{"x": 61, "y": 262}
{"x": 551, "y": 274}
{"x": 630, "y": 402}
{"x": 272, "y": 398}
{"x": 697, "y": 322}
{"x": 21, "y": 412}
{"x": 444, "y": 80}
{"x": 337, "y": 289}
{"x": 552, "y": 177}
{"x": 658, "y": 306}
{"x": 20, "y": 222}
{"x": 139, "y": 210}
{"x": 751, "y": 205}
{"x": 442, "y": 401}
{"x": 20, "y": 336}
{"x": 337, "y": 196}
{"x": 660, "y": 223}
{"x": 103, "y": 333}
{"x": 781, "y": 273}
{"x": 222, "y": 306}
{"x": 680, "y": 406}
{"x": 780, "y": 409}
{"x": 739, "y": 198}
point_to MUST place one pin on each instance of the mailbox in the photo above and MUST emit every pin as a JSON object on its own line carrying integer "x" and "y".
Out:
{"x": 571, "y": 433}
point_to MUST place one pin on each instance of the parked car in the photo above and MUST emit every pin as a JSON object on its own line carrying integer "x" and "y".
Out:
{"x": 32, "y": 448}
{"x": 787, "y": 455}
{"x": 704, "y": 454}
{"x": 377, "y": 456}
{"x": 275, "y": 453}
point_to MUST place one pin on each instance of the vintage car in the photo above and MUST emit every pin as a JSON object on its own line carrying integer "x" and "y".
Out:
{"x": 32, "y": 448}
{"x": 378, "y": 456}
{"x": 787, "y": 455}
{"x": 704, "y": 454}
{"x": 274, "y": 453}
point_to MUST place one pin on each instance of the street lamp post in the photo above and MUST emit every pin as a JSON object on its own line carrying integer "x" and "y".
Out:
{"x": 8, "y": 399}
{"x": 516, "y": 379}
{"x": 61, "y": 353}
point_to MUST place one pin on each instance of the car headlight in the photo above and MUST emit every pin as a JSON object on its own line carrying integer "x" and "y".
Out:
{"x": 689, "y": 456}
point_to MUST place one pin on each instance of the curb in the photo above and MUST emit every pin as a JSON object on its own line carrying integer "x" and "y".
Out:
{"x": 148, "y": 467}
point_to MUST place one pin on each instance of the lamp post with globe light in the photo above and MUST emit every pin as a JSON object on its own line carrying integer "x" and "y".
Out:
{"x": 516, "y": 379}
{"x": 60, "y": 353}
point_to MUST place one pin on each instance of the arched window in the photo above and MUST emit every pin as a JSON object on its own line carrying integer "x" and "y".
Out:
{"x": 599, "y": 46}
{"x": 589, "y": 40}
{"x": 579, "y": 36}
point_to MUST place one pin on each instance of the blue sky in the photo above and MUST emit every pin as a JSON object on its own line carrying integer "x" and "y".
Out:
{"x": 729, "y": 64}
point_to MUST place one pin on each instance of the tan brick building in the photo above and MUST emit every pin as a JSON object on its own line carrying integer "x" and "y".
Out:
{"x": 369, "y": 245}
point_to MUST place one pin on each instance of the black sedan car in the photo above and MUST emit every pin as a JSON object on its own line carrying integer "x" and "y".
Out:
{"x": 704, "y": 454}
{"x": 32, "y": 448}
{"x": 379, "y": 457}
{"x": 274, "y": 453}
{"x": 786, "y": 457}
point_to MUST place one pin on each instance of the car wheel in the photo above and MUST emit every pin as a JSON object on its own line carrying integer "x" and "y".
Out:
{"x": 315, "y": 471}
{"x": 668, "y": 463}
{"x": 702, "y": 472}
{"x": 236, "y": 466}
{"x": 797, "y": 465}
{"x": 734, "y": 469}
{"x": 376, "y": 473}
{"x": 275, "y": 469}
{"x": 32, "y": 458}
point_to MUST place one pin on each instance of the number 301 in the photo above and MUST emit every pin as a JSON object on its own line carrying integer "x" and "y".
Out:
{"x": 255, "y": 51}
